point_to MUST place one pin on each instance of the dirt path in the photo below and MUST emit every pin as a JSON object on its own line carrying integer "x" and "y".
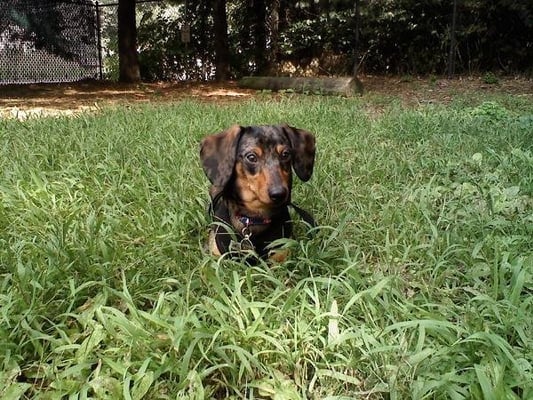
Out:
{"x": 26, "y": 101}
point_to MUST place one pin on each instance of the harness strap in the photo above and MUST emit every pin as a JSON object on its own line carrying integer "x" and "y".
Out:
{"x": 305, "y": 215}
{"x": 213, "y": 204}
{"x": 224, "y": 232}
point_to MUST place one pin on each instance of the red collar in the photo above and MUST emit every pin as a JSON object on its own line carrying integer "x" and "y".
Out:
{"x": 247, "y": 221}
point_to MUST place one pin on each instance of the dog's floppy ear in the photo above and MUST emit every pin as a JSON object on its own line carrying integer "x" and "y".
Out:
{"x": 303, "y": 145}
{"x": 218, "y": 153}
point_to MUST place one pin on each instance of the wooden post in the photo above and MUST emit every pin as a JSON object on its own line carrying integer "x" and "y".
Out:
{"x": 344, "y": 86}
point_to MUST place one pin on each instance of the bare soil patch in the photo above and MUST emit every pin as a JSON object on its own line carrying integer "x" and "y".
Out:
{"x": 25, "y": 101}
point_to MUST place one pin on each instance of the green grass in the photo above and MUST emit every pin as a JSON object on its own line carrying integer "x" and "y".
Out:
{"x": 418, "y": 283}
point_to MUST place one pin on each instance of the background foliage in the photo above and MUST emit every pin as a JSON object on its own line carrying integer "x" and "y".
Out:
{"x": 286, "y": 37}
{"x": 400, "y": 37}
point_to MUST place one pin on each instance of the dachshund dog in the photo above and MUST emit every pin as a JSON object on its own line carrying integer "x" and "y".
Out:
{"x": 250, "y": 169}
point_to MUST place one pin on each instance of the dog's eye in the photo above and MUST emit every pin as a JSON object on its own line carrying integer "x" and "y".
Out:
{"x": 251, "y": 157}
{"x": 285, "y": 154}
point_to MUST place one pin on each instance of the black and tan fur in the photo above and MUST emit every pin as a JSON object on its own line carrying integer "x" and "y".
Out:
{"x": 250, "y": 169}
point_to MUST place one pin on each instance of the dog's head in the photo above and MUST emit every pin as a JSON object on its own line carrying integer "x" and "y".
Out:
{"x": 253, "y": 164}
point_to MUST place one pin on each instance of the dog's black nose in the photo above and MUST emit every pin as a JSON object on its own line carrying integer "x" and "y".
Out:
{"x": 278, "y": 194}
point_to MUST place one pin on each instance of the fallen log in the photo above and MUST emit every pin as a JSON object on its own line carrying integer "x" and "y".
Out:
{"x": 345, "y": 86}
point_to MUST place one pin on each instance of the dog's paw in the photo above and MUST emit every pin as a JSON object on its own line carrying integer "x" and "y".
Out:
{"x": 278, "y": 256}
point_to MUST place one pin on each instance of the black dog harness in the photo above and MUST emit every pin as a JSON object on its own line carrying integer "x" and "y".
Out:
{"x": 230, "y": 241}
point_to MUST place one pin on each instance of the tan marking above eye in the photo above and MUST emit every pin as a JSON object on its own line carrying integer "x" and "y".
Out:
{"x": 257, "y": 150}
{"x": 280, "y": 148}
{"x": 284, "y": 152}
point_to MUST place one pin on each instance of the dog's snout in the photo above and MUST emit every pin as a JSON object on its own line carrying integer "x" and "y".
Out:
{"x": 278, "y": 194}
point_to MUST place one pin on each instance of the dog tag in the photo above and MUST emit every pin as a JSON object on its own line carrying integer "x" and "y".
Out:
{"x": 246, "y": 244}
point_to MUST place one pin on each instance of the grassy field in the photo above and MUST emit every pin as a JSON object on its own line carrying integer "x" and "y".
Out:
{"x": 418, "y": 282}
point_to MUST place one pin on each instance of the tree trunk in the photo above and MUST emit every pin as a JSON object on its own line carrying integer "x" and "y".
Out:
{"x": 345, "y": 86}
{"x": 222, "y": 71}
{"x": 258, "y": 18}
{"x": 274, "y": 34}
{"x": 357, "y": 12}
{"x": 129, "y": 70}
{"x": 451, "y": 54}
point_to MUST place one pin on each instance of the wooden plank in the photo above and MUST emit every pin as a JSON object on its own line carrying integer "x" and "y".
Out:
{"x": 345, "y": 86}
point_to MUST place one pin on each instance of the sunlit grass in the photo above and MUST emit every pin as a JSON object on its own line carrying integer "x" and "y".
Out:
{"x": 418, "y": 283}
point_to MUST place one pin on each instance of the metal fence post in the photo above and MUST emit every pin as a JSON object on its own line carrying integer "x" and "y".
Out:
{"x": 99, "y": 40}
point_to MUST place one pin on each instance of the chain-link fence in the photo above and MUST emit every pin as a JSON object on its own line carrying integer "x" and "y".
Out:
{"x": 48, "y": 41}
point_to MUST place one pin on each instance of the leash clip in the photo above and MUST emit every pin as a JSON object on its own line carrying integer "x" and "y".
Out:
{"x": 246, "y": 232}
